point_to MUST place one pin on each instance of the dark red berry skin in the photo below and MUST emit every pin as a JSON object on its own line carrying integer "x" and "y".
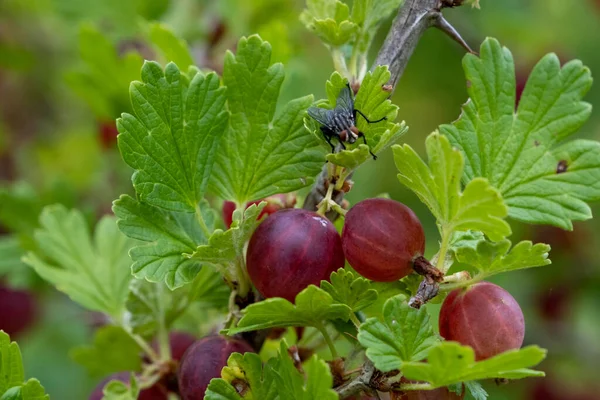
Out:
{"x": 292, "y": 249}
{"x": 179, "y": 342}
{"x": 381, "y": 237}
{"x": 274, "y": 204}
{"x": 204, "y": 361}
{"x": 155, "y": 392}
{"x": 18, "y": 310}
{"x": 485, "y": 317}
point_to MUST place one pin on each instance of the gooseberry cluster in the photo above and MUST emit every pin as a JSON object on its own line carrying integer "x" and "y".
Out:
{"x": 293, "y": 248}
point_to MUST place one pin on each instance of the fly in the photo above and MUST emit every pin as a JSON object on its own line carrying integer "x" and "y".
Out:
{"x": 341, "y": 121}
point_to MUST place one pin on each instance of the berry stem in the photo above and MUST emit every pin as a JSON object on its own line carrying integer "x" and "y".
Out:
{"x": 143, "y": 345}
{"x": 339, "y": 62}
{"x": 355, "y": 320}
{"x": 163, "y": 331}
{"x": 446, "y": 234}
{"x": 416, "y": 386}
{"x": 321, "y": 328}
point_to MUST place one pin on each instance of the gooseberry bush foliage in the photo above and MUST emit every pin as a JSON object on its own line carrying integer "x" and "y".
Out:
{"x": 294, "y": 305}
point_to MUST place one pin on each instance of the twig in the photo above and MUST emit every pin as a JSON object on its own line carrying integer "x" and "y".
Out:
{"x": 358, "y": 384}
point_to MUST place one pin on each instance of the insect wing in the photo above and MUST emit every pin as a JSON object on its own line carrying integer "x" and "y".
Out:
{"x": 321, "y": 115}
{"x": 345, "y": 102}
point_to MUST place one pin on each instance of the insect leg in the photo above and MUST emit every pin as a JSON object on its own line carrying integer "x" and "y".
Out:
{"x": 360, "y": 134}
{"x": 327, "y": 135}
{"x": 367, "y": 119}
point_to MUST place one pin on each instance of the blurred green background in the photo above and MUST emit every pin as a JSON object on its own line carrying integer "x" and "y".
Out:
{"x": 64, "y": 72}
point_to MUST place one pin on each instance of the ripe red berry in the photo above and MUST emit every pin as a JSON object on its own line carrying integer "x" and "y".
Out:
{"x": 204, "y": 361}
{"x": 156, "y": 392}
{"x": 485, "y": 317}
{"x": 292, "y": 249}
{"x": 18, "y": 310}
{"x": 274, "y": 204}
{"x": 381, "y": 237}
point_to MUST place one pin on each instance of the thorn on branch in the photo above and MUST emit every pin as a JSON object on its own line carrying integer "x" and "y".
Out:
{"x": 442, "y": 24}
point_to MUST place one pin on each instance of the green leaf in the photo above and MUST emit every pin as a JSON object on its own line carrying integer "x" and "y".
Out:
{"x": 104, "y": 75}
{"x": 173, "y": 48}
{"x": 330, "y": 21}
{"x": 118, "y": 390}
{"x": 449, "y": 363}
{"x": 94, "y": 272}
{"x": 172, "y": 140}
{"x": 292, "y": 385}
{"x": 278, "y": 379}
{"x": 113, "y": 350}
{"x": 405, "y": 335}
{"x": 146, "y": 306}
{"x": 31, "y": 390}
{"x": 219, "y": 389}
{"x": 247, "y": 370}
{"x": 209, "y": 289}
{"x": 476, "y": 390}
{"x": 11, "y": 364}
{"x": 346, "y": 288}
{"x": 262, "y": 153}
{"x": 372, "y": 101}
{"x": 226, "y": 248}
{"x": 493, "y": 258}
{"x": 312, "y": 307}
{"x": 168, "y": 237}
{"x": 12, "y": 375}
{"x": 478, "y": 207}
{"x": 523, "y": 153}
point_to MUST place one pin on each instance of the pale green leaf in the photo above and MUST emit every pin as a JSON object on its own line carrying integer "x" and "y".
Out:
{"x": 330, "y": 21}
{"x": 168, "y": 236}
{"x": 476, "y": 390}
{"x": 405, "y": 335}
{"x": 113, "y": 351}
{"x": 11, "y": 364}
{"x": 492, "y": 258}
{"x": 523, "y": 152}
{"x": 94, "y": 271}
{"x": 173, "y": 48}
{"x": 263, "y": 152}
{"x": 292, "y": 385}
{"x": 33, "y": 390}
{"x": 104, "y": 75}
{"x": 172, "y": 139}
{"x": 225, "y": 248}
{"x": 449, "y": 363}
{"x": 146, "y": 307}
{"x": 118, "y": 390}
{"x": 346, "y": 288}
{"x": 313, "y": 306}
{"x": 478, "y": 207}
{"x": 244, "y": 369}
{"x": 12, "y": 376}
